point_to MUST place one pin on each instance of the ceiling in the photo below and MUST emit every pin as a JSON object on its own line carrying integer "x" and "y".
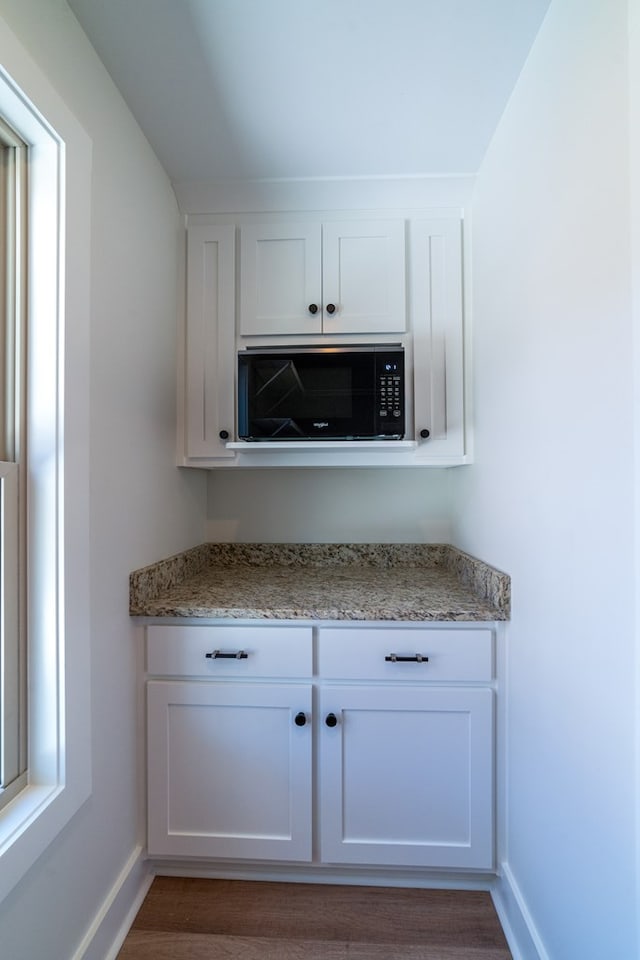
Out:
{"x": 246, "y": 89}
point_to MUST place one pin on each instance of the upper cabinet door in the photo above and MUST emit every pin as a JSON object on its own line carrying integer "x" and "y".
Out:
{"x": 331, "y": 278}
{"x": 208, "y": 413}
{"x": 363, "y": 276}
{"x": 435, "y": 251}
{"x": 281, "y": 275}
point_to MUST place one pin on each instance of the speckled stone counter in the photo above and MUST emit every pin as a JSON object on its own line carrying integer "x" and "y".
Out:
{"x": 410, "y": 582}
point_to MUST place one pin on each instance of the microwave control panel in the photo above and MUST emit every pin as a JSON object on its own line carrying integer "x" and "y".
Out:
{"x": 390, "y": 390}
{"x": 390, "y": 395}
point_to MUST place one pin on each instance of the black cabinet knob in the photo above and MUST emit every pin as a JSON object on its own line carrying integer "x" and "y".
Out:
{"x": 313, "y": 308}
{"x": 224, "y": 434}
{"x": 300, "y": 719}
{"x": 331, "y": 720}
{"x": 331, "y": 308}
{"x": 425, "y": 433}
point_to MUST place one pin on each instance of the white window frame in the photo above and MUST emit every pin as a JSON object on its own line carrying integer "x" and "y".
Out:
{"x": 13, "y": 735}
{"x": 57, "y": 464}
{"x": 13, "y": 634}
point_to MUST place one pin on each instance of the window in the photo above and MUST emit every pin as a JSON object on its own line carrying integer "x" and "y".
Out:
{"x": 13, "y": 686}
{"x": 45, "y": 210}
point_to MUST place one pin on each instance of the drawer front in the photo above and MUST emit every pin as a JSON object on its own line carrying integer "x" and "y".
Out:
{"x": 414, "y": 655}
{"x": 228, "y": 651}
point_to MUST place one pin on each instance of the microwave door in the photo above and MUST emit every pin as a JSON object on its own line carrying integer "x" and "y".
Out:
{"x": 278, "y": 428}
{"x": 315, "y": 395}
{"x": 324, "y": 407}
{"x": 277, "y": 384}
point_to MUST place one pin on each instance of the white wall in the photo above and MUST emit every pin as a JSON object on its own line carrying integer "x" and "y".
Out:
{"x": 383, "y": 505}
{"x": 367, "y": 193}
{"x": 551, "y": 496}
{"x": 141, "y": 506}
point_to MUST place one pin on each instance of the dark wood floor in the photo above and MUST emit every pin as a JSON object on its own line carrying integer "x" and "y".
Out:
{"x": 193, "y": 919}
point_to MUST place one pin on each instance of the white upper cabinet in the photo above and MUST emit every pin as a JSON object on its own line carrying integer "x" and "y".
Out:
{"x": 322, "y": 278}
{"x": 304, "y": 278}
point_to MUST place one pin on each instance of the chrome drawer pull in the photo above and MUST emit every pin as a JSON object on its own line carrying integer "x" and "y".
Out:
{"x": 218, "y": 655}
{"x": 418, "y": 658}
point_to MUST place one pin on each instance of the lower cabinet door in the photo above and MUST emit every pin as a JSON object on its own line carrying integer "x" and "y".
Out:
{"x": 229, "y": 770}
{"x": 406, "y": 776}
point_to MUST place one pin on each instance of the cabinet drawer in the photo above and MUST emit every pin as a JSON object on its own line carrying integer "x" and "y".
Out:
{"x": 447, "y": 655}
{"x": 266, "y": 651}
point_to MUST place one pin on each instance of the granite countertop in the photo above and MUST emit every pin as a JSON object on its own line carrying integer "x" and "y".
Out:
{"x": 402, "y": 582}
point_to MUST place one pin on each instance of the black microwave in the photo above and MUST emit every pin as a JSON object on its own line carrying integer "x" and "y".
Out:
{"x": 321, "y": 393}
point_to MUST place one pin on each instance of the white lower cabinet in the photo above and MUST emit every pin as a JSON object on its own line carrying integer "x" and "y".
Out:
{"x": 406, "y": 776}
{"x": 400, "y": 721}
{"x": 229, "y": 770}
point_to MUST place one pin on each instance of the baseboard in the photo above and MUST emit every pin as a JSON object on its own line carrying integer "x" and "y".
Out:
{"x": 109, "y": 927}
{"x": 519, "y": 929}
{"x": 304, "y": 873}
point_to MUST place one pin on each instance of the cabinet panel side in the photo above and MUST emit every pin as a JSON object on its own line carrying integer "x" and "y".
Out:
{"x": 437, "y": 326}
{"x": 209, "y": 354}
